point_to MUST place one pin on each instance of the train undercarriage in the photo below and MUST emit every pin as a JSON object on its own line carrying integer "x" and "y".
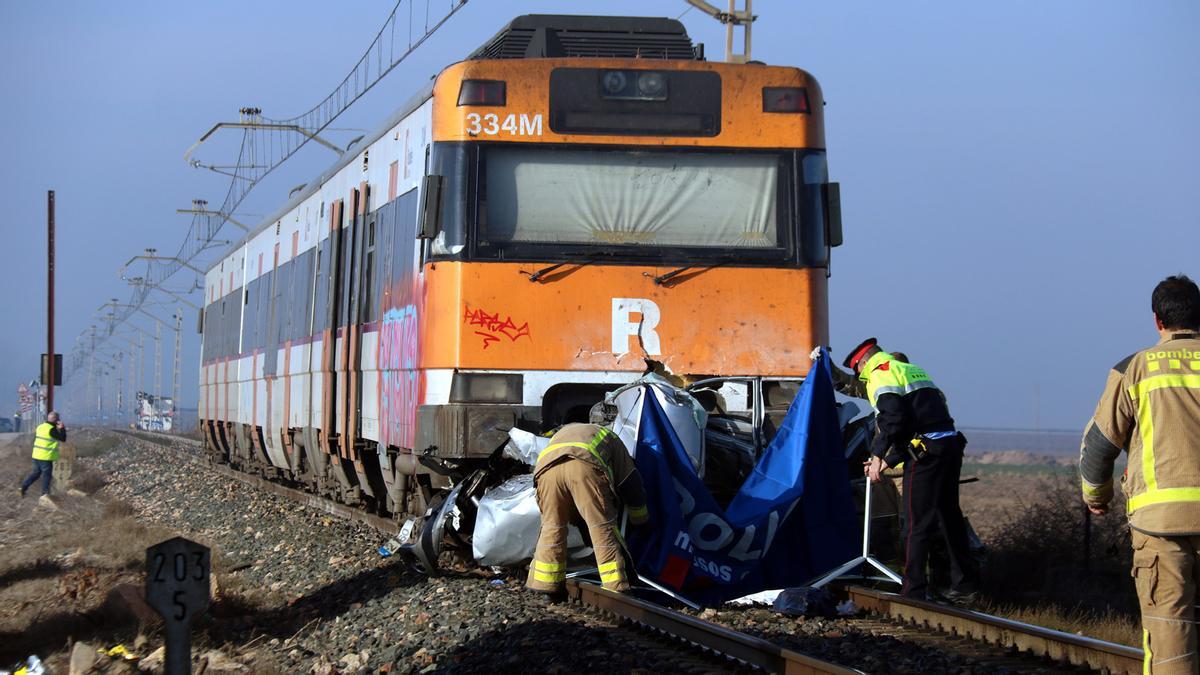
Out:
{"x": 434, "y": 493}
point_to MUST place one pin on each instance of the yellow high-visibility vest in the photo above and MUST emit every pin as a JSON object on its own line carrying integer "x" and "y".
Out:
{"x": 45, "y": 446}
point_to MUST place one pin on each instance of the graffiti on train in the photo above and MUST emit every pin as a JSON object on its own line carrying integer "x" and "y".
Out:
{"x": 491, "y": 328}
{"x": 400, "y": 378}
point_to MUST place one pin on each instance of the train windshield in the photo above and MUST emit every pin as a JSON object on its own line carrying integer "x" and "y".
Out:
{"x": 631, "y": 198}
{"x": 545, "y": 202}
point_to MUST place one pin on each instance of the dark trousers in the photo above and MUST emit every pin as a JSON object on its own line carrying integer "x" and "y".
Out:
{"x": 931, "y": 510}
{"x": 43, "y": 468}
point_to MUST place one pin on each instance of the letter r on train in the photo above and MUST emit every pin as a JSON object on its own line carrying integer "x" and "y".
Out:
{"x": 626, "y": 325}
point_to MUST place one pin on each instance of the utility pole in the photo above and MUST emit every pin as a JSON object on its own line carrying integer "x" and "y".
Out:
{"x": 132, "y": 378}
{"x": 141, "y": 376}
{"x": 175, "y": 372}
{"x": 50, "y": 300}
{"x": 120, "y": 369}
{"x": 158, "y": 358}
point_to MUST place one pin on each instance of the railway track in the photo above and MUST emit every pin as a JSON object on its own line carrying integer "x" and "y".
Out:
{"x": 995, "y": 642}
{"x": 1058, "y": 646}
{"x": 736, "y": 646}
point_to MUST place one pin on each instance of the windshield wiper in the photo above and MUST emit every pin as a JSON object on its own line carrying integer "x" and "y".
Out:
{"x": 588, "y": 260}
{"x": 663, "y": 278}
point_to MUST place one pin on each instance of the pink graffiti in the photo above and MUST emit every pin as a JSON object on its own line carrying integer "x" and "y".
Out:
{"x": 400, "y": 376}
{"x": 494, "y": 327}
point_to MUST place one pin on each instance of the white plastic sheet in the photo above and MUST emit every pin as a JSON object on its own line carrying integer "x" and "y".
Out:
{"x": 507, "y": 524}
{"x": 524, "y": 446}
{"x": 506, "y": 527}
{"x": 759, "y": 599}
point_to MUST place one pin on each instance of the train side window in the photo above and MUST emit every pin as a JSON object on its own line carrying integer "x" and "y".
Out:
{"x": 810, "y": 216}
{"x": 387, "y": 234}
{"x": 404, "y": 217}
{"x": 224, "y": 330}
{"x": 264, "y": 308}
{"x": 321, "y": 291}
{"x": 302, "y": 325}
{"x": 248, "y": 310}
{"x": 347, "y": 236}
{"x": 370, "y": 291}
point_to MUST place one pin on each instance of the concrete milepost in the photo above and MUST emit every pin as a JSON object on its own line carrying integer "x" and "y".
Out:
{"x": 177, "y": 587}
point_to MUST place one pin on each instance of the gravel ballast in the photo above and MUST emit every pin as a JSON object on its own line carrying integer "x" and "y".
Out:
{"x": 301, "y": 591}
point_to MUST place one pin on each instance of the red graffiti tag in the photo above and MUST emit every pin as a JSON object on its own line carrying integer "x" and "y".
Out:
{"x": 494, "y": 327}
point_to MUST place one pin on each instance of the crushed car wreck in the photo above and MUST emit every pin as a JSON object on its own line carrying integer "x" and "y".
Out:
{"x": 733, "y": 426}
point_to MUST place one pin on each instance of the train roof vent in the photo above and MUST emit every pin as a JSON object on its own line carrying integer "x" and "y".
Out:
{"x": 535, "y": 36}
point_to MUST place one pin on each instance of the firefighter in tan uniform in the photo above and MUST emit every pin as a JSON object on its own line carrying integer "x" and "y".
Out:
{"x": 579, "y": 476}
{"x": 1151, "y": 409}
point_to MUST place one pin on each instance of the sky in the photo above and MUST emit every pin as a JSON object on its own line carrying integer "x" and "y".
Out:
{"x": 1016, "y": 177}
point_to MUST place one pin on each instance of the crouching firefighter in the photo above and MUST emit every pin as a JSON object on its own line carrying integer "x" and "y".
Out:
{"x": 579, "y": 476}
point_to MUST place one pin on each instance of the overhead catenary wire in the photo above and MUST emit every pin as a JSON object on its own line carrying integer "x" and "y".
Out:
{"x": 267, "y": 143}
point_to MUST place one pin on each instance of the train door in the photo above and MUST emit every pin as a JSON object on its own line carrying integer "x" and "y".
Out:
{"x": 343, "y": 416}
{"x": 273, "y": 422}
{"x": 359, "y": 275}
{"x": 331, "y": 377}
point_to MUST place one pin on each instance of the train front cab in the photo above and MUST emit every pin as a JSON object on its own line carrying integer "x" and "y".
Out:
{"x": 580, "y": 236}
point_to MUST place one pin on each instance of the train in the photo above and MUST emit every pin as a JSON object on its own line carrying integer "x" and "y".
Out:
{"x": 577, "y": 201}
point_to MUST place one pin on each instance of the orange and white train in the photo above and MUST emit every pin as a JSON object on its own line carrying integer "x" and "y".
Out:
{"x": 578, "y": 196}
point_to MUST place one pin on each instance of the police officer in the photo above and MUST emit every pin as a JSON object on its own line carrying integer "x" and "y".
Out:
{"x": 1150, "y": 408}
{"x": 847, "y": 383}
{"x": 46, "y": 438}
{"x": 580, "y": 475}
{"x": 915, "y": 428}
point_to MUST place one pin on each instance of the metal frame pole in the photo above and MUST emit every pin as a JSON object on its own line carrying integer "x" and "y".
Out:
{"x": 865, "y": 557}
{"x": 175, "y": 371}
{"x": 158, "y": 359}
{"x": 50, "y": 300}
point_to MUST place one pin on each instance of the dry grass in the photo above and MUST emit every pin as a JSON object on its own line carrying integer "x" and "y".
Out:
{"x": 1110, "y": 626}
{"x": 88, "y": 481}
{"x": 89, "y": 443}
{"x": 1050, "y": 564}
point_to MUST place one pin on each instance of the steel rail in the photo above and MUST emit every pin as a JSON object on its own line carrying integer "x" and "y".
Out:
{"x": 747, "y": 649}
{"x": 1077, "y": 650}
{"x": 1057, "y": 645}
{"x": 739, "y": 646}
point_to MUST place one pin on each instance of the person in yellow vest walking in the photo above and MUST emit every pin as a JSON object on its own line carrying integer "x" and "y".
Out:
{"x": 1150, "y": 408}
{"x": 581, "y": 475}
{"x": 46, "y": 438}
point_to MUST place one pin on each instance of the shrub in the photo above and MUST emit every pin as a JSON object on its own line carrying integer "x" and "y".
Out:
{"x": 1044, "y": 554}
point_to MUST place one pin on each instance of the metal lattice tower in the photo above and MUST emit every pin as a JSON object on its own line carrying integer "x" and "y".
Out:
{"x": 267, "y": 143}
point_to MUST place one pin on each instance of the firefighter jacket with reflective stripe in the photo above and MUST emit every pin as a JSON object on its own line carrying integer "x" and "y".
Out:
{"x": 605, "y": 450}
{"x": 907, "y": 403}
{"x": 45, "y": 442}
{"x": 1151, "y": 409}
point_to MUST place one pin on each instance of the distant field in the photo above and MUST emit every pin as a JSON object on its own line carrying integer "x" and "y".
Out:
{"x": 1055, "y": 443}
{"x": 997, "y": 470}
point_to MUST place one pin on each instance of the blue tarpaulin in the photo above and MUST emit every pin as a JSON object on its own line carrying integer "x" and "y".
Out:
{"x": 791, "y": 520}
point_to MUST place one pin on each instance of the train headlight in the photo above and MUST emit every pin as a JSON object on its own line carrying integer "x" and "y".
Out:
{"x": 614, "y": 82}
{"x": 486, "y": 388}
{"x": 652, "y": 85}
{"x": 633, "y": 85}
